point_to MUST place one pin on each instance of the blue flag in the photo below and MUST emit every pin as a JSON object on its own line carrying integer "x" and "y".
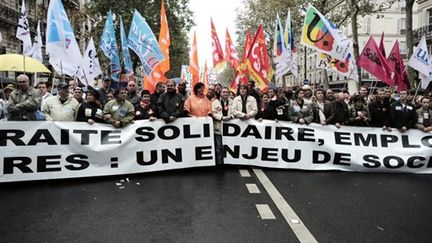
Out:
{"x": 108, "y": 45}
{"x": 143, "y": 42}
{"x": 127, "y": 62}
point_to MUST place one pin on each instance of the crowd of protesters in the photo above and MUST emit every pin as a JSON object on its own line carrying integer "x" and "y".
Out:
{"x": 303, "y": 105}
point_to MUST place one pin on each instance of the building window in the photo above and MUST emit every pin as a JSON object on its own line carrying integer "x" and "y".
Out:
{"x": 367, "y": 25}
{"x": 403, "y": 47}
{"x": 401, "y": 26}
{"x": 429, "y": 21}
{"x": 402, "y": 4}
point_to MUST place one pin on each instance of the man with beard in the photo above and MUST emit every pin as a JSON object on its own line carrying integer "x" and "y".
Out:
{"x": 379, "y": 111}
{"x": 170, "y": 104}
{"x": 62, "y": 107}
{"x": 105, "y": 90}
{"x": 132, "y": 95}
{"x": 24, "y": 101}
{"x": 160, "y": 89}
{"x": 119, "y": 112}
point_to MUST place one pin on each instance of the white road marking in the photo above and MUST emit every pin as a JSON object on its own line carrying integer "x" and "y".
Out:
{"x": 300, "y": 230}
{"x": 245, "y": 173}
{"x": 253, "y": 189}
{"x": 265, "y": 211}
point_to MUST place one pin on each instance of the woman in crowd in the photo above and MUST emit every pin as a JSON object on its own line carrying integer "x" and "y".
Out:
{"x": 145, "y": 109}
{"x": 221, "y": 111}
{"x": 321, "y": 107}
{"x": 281, "y": 104}
{"x": 299, "y": 111}
{"x": 198, "y": 104}
{"x": 244, "y": 105}
{"x": 266, "y": 109}
{"x": 90, "y": 109}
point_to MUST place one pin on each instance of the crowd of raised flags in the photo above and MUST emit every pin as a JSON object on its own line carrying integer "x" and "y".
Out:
{"x": 335, "y": 51}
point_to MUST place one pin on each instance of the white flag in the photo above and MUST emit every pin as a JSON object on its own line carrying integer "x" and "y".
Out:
{"x": 37, "y": 45}
{"x": 90, "y": 68}
{"x": 23, "y": 31}
{"x": 61, "y": 45}
{"x": 426, "y": 79}
{"x": 420, "y": 58}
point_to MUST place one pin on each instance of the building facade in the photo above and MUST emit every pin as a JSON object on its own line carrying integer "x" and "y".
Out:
{"x": 424, "y": 19}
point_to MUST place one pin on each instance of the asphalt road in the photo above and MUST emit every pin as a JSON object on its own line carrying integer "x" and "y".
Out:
{"x": 214, "y": 205}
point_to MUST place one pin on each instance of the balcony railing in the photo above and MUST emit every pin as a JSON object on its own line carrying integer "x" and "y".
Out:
{"x": 425, "y": 30}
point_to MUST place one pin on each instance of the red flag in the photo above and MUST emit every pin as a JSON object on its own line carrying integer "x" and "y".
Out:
{"x": 258, "y": 61}
{"x": 230, "y": 52}
{"x": 372, "y": 60}
{"x": 397, "y": 66}
{"x": 158, "y": 73}
{"x": 381, "y": 46}
{"x": 193, "y": 62}
{"x": 218, "y": 57}
{"x": 247, "y": 46}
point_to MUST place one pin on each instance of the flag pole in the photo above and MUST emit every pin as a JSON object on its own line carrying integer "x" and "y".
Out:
{"x": 61, "y": 68}
{"x": 417, "y": 90}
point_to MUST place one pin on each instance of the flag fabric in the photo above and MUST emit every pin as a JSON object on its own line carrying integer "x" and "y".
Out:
{"x": 158, "y": 74}
{"x": 23, "y": 31}
{"x": 348, "y": 68}
{"x": 420, "y": 58}
{"x": 278, "y": 39}
{"x": 90, "y": 68}
{"x": 381, "y": 45}
{"x": 322, "y": 35}
{"x": 143, "y": 42}
{"x": 242, "y": 75}
{"x": 231, "y": 55}
{"x": 193, "y": 63}
{"x": 372, "y": 60}
{"x": 61, "y": 45}
{"x": 108, "y": 44}
{"x": 37, "y": 45}
{"x": 397, "y": 66}
{"x": 258, "y": 61}
{"x": 289, "y": 44}
{"x": 420, "y": 61}
{"x": 247, "y": 45}
{"x": 127, "y": 62}
{"x": 204, "y": 79}
{"x": 217, "y": 53}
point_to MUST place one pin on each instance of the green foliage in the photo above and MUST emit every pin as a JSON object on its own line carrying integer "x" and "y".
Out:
{"x": 180, "y": 21}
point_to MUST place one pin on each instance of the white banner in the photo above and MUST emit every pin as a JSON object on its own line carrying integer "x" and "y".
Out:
{"x": 315, "y": 147}
{"x": 50, "y": 150}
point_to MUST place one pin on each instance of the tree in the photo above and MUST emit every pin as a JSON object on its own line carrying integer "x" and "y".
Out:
{"x": 409, "y": 38}
{"x": 180, "y": 21}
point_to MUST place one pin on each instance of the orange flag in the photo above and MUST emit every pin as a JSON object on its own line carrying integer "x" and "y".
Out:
{"x": 258, "y": 61}
{"x": 218, "y": 57}
{"x": 230, "y": 52}
{"x": 193, "y": 63}
{"x": 158, "y": 74}
{"x": 205, "y": 78}
{"x": 242, "y": 75}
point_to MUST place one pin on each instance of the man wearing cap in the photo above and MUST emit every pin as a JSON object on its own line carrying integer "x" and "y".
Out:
{"x": 62, "y": 107}
{"x": 4, "y": 97}
{"x": 307, "y": 94}
{"x": 24, "y": 101}
{"x": 90, "y": 110}
{"x": 78, "y": 94}
{"x": 105, "y": 90}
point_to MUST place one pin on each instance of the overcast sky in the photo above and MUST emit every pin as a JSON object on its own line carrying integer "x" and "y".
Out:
{"x": 223, "y": 14}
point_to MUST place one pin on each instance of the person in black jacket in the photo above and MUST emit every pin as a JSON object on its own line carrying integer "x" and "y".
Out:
{"x": 339, "y": 112}
{"x": 90, "y": 110}
{"x": 379, "y": 111}
{"x": 145, "y": 110}
{"x": 403, "y": 114}
{"x": 266, "y": 109}
{"x": 170, "y": 104}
